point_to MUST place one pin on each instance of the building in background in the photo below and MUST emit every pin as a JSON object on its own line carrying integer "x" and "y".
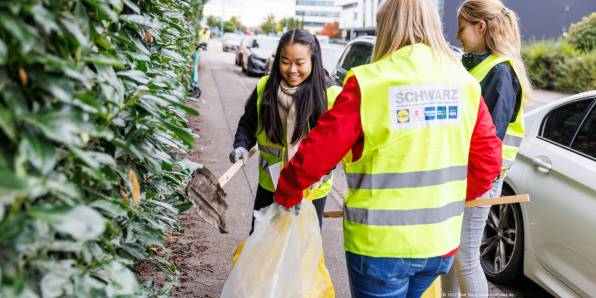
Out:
{"x": 316, "y": 13}
{"x": 546, "y": 20}
{"x": 358, "y": 17}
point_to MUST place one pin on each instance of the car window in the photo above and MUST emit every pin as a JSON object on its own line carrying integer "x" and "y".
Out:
{"x": 585, "y": 141}
{"x": 562, "y": 123}
{"x": 358, "y": 54}
{"x": 265, "y": 44}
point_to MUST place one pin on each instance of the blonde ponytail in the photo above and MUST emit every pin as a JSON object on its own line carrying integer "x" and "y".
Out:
{"x": 502, "y": 35}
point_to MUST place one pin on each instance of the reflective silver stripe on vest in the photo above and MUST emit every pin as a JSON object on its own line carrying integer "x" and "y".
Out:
{"x": 403, "y": 217}
{"x": 402, "y": 180}
{"x": 511, "y": 140}
{"x": 326, "y": 178}
{"x": 270, "y": 150}
{"x": 263, "y": 163}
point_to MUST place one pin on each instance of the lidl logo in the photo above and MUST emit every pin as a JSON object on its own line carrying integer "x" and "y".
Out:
{"x": 441, "y": 112}
{"x": 403, "y": 116}
{"x": 430, "y": 113}
{"x": 452, "y": 112}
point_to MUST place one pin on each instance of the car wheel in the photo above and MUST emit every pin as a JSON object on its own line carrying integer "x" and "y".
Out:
{"x": 502, "y": 247}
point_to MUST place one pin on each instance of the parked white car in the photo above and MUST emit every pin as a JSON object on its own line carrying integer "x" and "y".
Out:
{"x": 231, "y": 42}
{"x": 551, "y": 239}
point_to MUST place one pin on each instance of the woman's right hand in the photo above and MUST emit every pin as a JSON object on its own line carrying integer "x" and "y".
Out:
{"x": 239, "y": 153}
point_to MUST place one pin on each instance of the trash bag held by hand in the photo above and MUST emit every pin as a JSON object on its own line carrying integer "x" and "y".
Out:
{"x": 282, "y": 258}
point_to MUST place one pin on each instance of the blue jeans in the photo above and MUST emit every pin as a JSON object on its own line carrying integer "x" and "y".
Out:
{"x": 393, "y": 277}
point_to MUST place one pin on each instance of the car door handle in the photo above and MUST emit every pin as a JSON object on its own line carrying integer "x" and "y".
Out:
{"x": 543, "y": 164}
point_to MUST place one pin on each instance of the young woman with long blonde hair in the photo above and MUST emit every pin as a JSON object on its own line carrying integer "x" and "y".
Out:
{"x": 489, "y": 33}
{"x": 417, "y": 139}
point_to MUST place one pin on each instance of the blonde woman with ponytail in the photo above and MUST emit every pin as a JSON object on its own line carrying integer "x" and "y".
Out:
{"x": 489, "y": 33}
{"x": 417, "y": 138}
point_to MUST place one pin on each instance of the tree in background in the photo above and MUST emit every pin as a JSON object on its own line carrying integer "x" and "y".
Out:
{"x": 331, "y": 30}
{"x": 229, "y": 26}
{"x": 268, "y": 25}
{"x": 287, "y": 24}
{"x": 237, "y": 25}
{"x": 212, "y": 22}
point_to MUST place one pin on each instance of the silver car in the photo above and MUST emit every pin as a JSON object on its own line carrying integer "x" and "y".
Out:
{"x": 231, "y": 42}
{"x": 551, "y": 239}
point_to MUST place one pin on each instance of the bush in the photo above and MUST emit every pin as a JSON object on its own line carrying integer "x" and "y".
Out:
{"x": 542, "y": 59}
{"x": 92, "y": 116}
{"x": 577, "y": 74}
{"x": 582, "y": 35}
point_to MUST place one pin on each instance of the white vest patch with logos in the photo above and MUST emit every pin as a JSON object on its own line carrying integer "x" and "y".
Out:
{"x": 424, "y": 105}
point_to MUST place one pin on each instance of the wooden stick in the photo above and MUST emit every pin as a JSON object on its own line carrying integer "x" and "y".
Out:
{"x": 484, "y": 202}
{"x": 235, "y": 168}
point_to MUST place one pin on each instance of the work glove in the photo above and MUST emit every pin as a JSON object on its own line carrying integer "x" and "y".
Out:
{"x": 239, "y": 153}
{"x": 294, "y": 208}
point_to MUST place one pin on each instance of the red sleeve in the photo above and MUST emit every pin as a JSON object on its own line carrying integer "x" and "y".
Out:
{"x": 484, "y": 161}
{"x": 336, "y": 132}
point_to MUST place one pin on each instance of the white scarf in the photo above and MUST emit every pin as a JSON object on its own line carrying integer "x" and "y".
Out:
{"x": 287, "y": 114}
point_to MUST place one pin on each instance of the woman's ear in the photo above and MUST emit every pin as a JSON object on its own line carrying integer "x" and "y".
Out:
{"x": 481, "y": 27}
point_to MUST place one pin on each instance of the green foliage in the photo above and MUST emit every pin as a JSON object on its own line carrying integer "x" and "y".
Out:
{"x": 229, "y": 26}
{"x": 578, "y": 74}
{"x": 268, "y": 24}
{"x": 287, "y": 24}
{"x": 558, "y": 65}
{"x": 582, "y": 35}
{"x": 542, "y": 58}
{"x": 212, "y": 22}
{"x": 91, "y": 92}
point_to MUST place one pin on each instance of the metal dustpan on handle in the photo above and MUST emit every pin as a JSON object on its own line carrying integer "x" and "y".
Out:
{"x": 206, "y": 193}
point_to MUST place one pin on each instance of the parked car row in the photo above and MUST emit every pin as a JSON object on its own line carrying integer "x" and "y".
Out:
{"x": 253, "y": 52}
{"x": 551, "y": 239}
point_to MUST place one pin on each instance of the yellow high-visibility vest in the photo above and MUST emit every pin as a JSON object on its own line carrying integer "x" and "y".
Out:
{"x": 272, "y": 153}
{"x": 406, "y": 193}
{"x": 515, "y": 130}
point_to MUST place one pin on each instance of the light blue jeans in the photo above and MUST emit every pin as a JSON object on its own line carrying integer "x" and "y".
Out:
{"x": 466, "y": 275}
{"x": 393, "y": 277}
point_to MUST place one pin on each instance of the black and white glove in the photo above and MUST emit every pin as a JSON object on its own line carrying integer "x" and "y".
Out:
{"x": 239, "y": 153}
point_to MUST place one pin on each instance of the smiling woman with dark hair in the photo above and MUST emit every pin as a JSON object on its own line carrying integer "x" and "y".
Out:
{"x": 282, "y": 110}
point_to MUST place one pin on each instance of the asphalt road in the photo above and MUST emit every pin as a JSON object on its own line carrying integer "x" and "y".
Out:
{"x": 225, "y": 90}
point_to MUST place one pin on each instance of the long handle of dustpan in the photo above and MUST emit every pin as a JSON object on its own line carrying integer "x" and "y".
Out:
{"x": 235, "y": 168}
{"x": 485, "y": 202}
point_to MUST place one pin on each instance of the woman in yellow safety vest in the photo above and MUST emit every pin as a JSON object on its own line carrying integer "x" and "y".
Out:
{"x": 490, "y": 36}
{"x": 416, "y": 141}
{"x": 282, "y": 110}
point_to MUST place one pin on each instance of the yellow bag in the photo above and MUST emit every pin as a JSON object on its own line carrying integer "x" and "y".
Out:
{"x": 434, "y": 291}
{"x": 282, "y": 258}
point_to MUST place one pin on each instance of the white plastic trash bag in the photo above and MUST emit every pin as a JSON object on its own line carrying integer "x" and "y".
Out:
{"x": 282, "y": 258}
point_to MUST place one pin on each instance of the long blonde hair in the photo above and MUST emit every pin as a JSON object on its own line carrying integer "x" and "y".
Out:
{"x": 501, "y": 36}
{"x": 406, "y": 22}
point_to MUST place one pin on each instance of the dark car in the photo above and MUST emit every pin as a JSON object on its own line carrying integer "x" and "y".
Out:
{"x": 359, "y": 51}
{"x": 254, "y": 61}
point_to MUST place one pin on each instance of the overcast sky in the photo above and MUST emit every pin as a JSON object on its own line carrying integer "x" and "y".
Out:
{"x": 250, "y": 12}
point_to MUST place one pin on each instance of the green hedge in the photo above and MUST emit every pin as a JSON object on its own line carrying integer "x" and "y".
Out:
{"x": 577, "y": 74}
{"x": 92, "y": 117}
{"x": 582, "y": 35}
{"x": 567, "y": 65}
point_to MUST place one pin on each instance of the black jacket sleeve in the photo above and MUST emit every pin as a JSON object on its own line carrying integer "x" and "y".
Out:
{"x": 246, "y": 133}
{"x": 502, "y": 94}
